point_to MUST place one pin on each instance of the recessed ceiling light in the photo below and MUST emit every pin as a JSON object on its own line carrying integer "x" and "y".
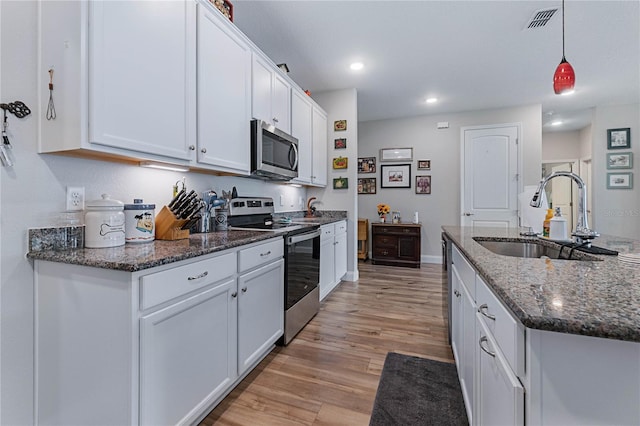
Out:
{"x": 357, "y": 66}
{"x": 431, "y": 100}
{"x": 556, "y": 123}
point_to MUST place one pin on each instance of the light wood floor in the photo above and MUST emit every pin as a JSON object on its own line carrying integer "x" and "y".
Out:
{"x": 328, "y": 375}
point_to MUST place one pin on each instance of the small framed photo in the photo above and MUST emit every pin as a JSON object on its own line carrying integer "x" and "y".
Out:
{"x": 619, "y": 138}
{"x": 423, "y": 184}
{"x": 340, "y": 163}
{"x": 396, "y": 154}
{"x": 395, "y": 176}
{"x": 623, "y": 160}
{"x": 424, "y": 164}
{"x": 367, "y": 165}
{"x": 340, "y": 143}
{"x": 620, "y": 180}
{"x": 341, "y": 183}
{"x": 367, "y": 186}
{"x": 340, "y": 125}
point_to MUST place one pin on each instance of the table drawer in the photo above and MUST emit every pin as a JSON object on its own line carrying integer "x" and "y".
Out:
{"x": 261, "y": 254}
{"x": 380, "y": 252}
{"x": 172, "y": 283}
{"x": 507, "y": 331}
{"x": 396, "y": 230}
{"x": 385, "y": 241}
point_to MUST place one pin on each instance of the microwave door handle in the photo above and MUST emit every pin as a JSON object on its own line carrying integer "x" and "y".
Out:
{"x": 295, "y": 151}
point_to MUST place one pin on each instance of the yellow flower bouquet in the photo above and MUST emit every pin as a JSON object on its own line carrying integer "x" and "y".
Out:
{"x": 383, "y": 209}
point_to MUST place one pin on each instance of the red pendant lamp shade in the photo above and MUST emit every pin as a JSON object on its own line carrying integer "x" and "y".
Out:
{"x": 564, "y": 79}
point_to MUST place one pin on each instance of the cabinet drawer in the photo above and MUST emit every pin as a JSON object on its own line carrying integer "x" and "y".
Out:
{"x": 166, "y": 285}
{"x": 379, "y": 252}
{"x": 387, "y": 241}
{"x": 341, "y": 227}
{"x": 259, "y": 255}
{"x": 327, "y": 232}
{"x": 396, "y": 230}
{"x": 507, "y": 332}
{"x": 466, "y": 271}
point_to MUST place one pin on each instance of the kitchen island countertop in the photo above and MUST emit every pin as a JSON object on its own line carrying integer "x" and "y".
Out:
{"x": 593, "y": 298}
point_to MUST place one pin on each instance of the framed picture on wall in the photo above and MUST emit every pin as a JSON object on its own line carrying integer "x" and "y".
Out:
{"x": 424, "y": 164}
{"x": 623, "y": 160}
{"x": 396, "y": 154}
{"x": 341, "y": 183}
{"x": 423, "y": 184}
{"x": 367, "y": 165}
{"x": 619, "y": 138}
{"x": 366, "y": 185}
{"x": 340, "y": 143}
{"x": 395, "y": 176}
{"x": 620, "y": 180}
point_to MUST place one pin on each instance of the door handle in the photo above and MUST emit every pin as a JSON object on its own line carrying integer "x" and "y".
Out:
{"x": 467, "y": 214}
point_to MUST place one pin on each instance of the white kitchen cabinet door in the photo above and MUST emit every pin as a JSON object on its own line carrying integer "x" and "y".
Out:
{"x": 468, "y": 351}
{"x": 301, "y": 129}
{"x": 340, "y": 254}
{"x": 271, "y": 94}
{"x": 188, "y": 355}
{"x": 319, "y": 169}
{"x": 142, "y": 76}
{"x": 260, "y": 312}
{"x": 327, "y": 265}
{"x": 500, "y": 398}
{"x": 224, "y": 95}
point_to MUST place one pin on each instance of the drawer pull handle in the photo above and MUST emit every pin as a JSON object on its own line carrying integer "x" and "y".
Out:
{"x": 457, "y": 293}
{"x": 265, "y": 254}
{"x": 234, "y": 294}
{"x": 482, "y": 308}
{"x": 197, "y": 277}
{"x": 484, "y": 339}
{"x": 244, "y": 289}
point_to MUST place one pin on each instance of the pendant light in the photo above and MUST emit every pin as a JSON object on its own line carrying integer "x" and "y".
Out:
{"x": 564, "y": 79}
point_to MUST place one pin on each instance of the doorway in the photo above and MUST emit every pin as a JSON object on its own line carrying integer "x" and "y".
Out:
{"x": 490, "y": 175}
{"x": 562, "y": 192}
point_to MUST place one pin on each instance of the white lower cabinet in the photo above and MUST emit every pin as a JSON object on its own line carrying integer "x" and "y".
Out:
{"x": 333, "y": 256}
{"x": 260, "y": 312}
{"x": 187, "y": 355}
{"x": 154, "y": 347}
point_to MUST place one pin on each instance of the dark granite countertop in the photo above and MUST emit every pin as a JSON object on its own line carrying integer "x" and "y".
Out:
{"x": 136, "y": 257}
{"x": 593, "y": 298}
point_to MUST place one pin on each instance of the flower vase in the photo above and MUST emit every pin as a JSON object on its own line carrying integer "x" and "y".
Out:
{"x": 382, "y": 219}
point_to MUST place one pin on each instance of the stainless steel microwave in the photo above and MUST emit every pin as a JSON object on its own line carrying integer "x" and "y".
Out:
{"x": 274, "y": 153}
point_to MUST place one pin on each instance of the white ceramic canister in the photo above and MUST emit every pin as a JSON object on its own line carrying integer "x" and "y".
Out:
{"x": 104, "y": 223}
{"x": 139, "y": 221}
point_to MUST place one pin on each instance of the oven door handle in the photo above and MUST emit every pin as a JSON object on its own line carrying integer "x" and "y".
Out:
{"x": 303, "y": 237}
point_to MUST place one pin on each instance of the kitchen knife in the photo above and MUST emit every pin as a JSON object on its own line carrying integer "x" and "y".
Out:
{"x": 191, "y": 210}
{"x": 188, "y": 206}
{"x": 176, "y": 198}
{"x": 178, "y": 208}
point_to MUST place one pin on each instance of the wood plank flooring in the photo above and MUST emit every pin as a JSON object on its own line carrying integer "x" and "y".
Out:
{"x": 328, "y": 375}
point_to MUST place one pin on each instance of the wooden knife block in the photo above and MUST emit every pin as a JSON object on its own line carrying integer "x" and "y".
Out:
{"x": 168, "y": 226}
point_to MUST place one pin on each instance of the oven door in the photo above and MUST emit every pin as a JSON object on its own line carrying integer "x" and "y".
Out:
{"x": 302, "y": 266}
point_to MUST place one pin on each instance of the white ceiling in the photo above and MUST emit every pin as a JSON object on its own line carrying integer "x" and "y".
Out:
{"x": 471, "y": 55}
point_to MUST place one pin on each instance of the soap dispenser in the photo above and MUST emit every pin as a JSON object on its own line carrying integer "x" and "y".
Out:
{"x": 547, "y": 223}
{"x": 558, "y": 226}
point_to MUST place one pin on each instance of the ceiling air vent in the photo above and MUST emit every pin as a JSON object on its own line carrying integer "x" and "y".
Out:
{"x": 540, "y": 18}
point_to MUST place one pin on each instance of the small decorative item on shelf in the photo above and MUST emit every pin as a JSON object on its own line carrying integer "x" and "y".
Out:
{"x": 225, "y": 7}
{"x": 383, "y": 210}
{"x": 395, "y": 217}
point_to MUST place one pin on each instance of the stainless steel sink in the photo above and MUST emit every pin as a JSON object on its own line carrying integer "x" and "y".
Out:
{"x": 532, "y": 249}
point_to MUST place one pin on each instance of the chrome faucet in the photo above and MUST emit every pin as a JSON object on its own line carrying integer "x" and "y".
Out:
{"x": 583, "y": 234}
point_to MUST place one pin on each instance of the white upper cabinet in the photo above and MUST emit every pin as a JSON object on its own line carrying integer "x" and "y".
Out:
{"x": 319, "y": 169}
{"x": 271, "y": 96}
{"x": 123, "y": 78}
{"x": 224, "y": 95}
{"x": 302, "y": 129}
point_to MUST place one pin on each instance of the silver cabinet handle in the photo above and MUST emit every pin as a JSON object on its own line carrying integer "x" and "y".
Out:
{"x": 192, "y": 147}
{"x": 468, "y": 214}
{"x": 482, "y": 308}
{"x": 275, "y": 120}
{"x": 457, "y": 293}
{"x": 234, "y": 294}
{"x": 244, "y": 289}
{"x": 203, "y": 150}
{"x": 484, "y": 339}
{"x": 197, "y": 277}
{"x": 265, "y": 254}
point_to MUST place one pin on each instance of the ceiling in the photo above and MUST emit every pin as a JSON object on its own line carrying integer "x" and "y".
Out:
{"x": 471, "y": 55}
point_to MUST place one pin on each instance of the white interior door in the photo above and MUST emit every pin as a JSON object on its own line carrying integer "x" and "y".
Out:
{"x": 490, "y": 176}
{"x": 560, "y": 193}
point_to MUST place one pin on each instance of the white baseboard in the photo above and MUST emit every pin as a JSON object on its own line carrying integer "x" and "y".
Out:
{"x": 431, "y": 259}
{"x": 352, "y": 276}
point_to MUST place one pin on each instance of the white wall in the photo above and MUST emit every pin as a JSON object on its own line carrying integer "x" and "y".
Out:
{"x": 33, "y": 191}
{"x": 561, "y": 146}
{"x": 616, "y": 211}
{"x": 442, "y": 147}
{"x": 342, "y": 105}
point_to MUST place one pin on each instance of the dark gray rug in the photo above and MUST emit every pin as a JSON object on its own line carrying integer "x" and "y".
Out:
{"x": 418, "y": 391}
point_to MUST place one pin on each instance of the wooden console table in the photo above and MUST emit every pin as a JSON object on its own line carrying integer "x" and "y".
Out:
{"x": 396, "y": 244}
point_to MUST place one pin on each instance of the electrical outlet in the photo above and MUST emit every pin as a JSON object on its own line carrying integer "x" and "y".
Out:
{"x": 75, "y": 198}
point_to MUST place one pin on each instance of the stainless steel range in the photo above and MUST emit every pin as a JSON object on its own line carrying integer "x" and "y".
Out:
{"x": 301, "y": 259}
